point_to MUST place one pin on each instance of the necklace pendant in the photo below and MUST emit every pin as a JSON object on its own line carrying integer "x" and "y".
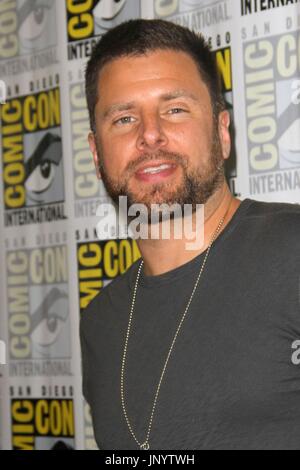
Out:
{"x": 145, "y": 446}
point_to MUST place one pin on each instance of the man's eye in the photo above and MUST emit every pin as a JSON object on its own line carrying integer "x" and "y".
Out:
{"x": 177, "y": 110}
{"x": 123, "y": 120}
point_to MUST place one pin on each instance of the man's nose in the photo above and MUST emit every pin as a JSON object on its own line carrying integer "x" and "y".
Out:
{"x": 151, "y": 133}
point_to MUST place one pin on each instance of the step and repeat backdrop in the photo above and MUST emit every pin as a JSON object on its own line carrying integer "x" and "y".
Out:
{"x": 51, "y": 262}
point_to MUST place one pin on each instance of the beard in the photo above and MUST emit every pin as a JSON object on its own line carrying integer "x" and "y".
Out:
{"x": 197, "y": 185}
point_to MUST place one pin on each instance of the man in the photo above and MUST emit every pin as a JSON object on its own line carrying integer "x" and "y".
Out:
{"x": 187, "y": 349}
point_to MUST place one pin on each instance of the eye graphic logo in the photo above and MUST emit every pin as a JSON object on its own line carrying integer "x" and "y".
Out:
{"x": 30, "y": 27}
{"x": 43, "y": 170}
{"x": 107, "y": 10}
{"x": 48, "y": 321}
{"x": 108, "y": 13}
{"x": 288, "y": 130}
{"x": 33, "y": 17}
{"x": 167, "y": 8}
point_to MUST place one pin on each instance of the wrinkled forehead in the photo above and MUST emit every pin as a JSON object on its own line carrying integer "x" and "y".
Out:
{"x": 153, "y": 73}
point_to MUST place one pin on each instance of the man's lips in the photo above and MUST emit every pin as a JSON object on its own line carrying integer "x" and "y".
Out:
{"x": 155, "y": 171}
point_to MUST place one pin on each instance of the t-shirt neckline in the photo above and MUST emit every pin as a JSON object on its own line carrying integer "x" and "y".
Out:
{"x": 150, "y": 281}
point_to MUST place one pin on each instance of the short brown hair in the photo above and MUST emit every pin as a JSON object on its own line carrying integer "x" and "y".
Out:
{"x": 139, "y": 36}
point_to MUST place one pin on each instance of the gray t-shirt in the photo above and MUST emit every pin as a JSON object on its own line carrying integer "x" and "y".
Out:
{"x": 233, "y": 379}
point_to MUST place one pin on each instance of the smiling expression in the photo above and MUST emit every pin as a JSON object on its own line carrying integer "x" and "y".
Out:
{"x": 157, "y": 140}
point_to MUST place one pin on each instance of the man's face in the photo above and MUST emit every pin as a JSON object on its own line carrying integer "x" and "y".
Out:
{"x": 155, "y": 110}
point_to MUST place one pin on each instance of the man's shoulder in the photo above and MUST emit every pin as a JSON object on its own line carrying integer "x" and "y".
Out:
{"x": 269, "y": 208}
{"x": 276, "y": 223}
{"x": 274, "y": 213}
{"x": 103, "y": 305}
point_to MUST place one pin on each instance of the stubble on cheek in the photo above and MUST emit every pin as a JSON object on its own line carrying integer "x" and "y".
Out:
{"x": 188, "y": 185}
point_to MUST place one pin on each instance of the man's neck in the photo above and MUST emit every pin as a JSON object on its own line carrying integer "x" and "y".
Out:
{"x": 163, "y": 255}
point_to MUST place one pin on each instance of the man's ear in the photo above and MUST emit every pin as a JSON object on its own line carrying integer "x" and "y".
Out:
{"x": 96, "y": 157}
{"x": 224, "y": 132}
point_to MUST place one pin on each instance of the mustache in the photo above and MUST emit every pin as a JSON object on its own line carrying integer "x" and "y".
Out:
{"x": 159, "y": 156}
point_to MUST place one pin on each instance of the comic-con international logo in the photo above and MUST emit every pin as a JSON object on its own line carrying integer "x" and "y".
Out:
{"x": 38, "y": 306}
{"x": 32, "y": 158}
{"x": 99, "y": 262}
{"x": 194, "y": 14}
{"x": 27, "y": 35}
{"x": 88, "y": 191}
{"x": 224, "y": 63}
{"x": 42, "y": 424}
{"x": 87, "y": 19}
{"x": 272, "y": 91}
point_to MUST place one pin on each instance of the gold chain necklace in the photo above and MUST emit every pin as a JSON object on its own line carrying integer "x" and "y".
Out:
{"x": 145, "y": 445}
